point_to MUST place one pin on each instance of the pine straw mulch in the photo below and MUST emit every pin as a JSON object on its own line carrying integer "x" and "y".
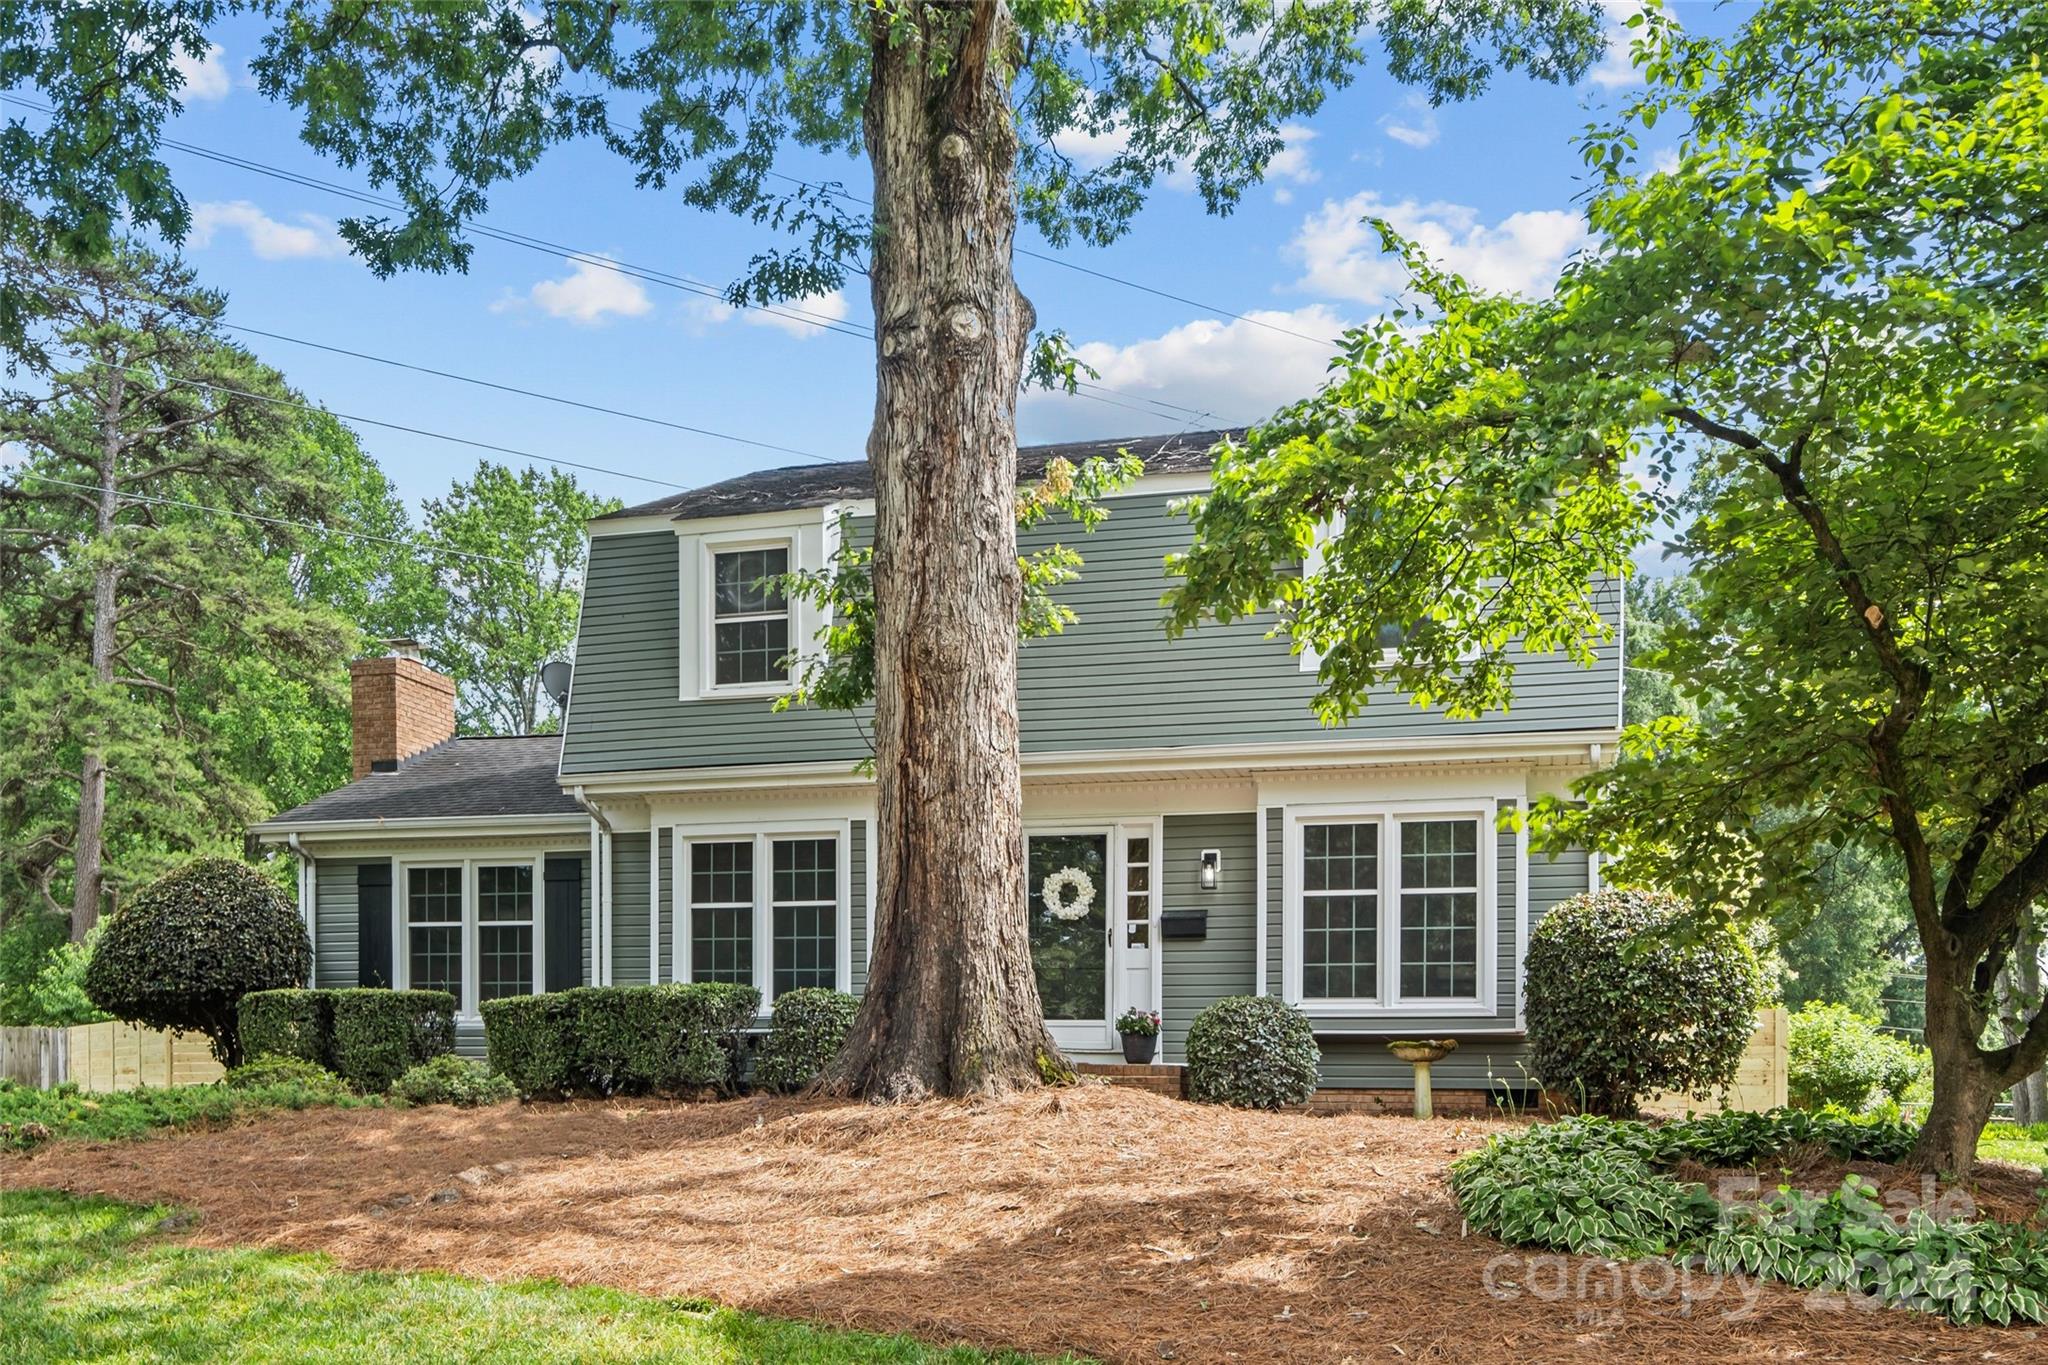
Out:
{"x": 1106, "y": 1222}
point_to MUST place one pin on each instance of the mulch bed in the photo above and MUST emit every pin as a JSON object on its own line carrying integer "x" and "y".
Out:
{"x": 1107, "y": 1222}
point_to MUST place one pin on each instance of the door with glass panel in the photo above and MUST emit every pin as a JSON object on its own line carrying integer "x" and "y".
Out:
{"x": 1068, "y": 885}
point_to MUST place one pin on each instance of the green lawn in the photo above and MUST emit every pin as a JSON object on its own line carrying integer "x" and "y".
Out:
{"x": 2028, "y": 1146}
{"x": 87, "y": 1279}
{"x": 30, "y": 1117}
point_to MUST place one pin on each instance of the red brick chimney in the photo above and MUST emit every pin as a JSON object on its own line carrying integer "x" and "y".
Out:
{"x": 398, "y": 707}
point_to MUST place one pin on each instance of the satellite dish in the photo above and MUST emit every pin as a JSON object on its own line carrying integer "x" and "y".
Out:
{"x": 554, "y": 676}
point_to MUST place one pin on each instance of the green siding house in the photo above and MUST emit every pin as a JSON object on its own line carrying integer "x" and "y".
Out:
{"x": 1193, "y": 831}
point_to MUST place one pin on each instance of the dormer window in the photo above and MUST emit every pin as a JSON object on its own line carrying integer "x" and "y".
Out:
{"x": 749, "y": 617}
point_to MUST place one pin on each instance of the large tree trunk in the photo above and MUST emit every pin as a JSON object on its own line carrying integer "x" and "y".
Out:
{"x": 952, "y": 1005}
{"x": 88, "y": 855}
{"x": 1966, "y": 1081}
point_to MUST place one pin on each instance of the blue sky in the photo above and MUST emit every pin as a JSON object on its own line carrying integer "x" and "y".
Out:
{"x": 1490, "y": 186}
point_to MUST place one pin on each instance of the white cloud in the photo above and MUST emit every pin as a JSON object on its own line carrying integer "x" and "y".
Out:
{"x": 801, "y": 318}
{"x": 12, "y": 453}
{"x": 310, "y": 237}
{"x": 586, "y": 296}
{"x": 791, "y": 315}
{"x": 1616, "y": 69}
{"x": 1292, "y": 162}
{"x": 206, "y": 78}
{"x": 1230, "y": 371}
{"x": 1521, "y": 254}
{"x": 1413, "y": 124}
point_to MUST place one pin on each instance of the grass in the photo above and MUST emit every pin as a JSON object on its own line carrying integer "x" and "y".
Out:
{"x": 90, "y": 1279}
{"x": 29, "y": 1117}
{"x": 2023, "y": 1145}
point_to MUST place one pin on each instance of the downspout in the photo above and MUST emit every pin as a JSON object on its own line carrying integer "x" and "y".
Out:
{"x": 600, "y": 888}
{"x": 309, "y": 892}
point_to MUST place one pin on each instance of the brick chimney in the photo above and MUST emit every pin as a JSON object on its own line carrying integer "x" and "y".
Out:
{"x": 398, "y": 707}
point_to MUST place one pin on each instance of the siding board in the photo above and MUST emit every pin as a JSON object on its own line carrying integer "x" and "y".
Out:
{"x": 1199, "y": 972}
{"x": 1221, "y": 684}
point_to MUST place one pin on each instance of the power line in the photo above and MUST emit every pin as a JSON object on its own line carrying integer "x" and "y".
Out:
{"x": 684, "y": 283}
{"x": 639, "y": 272}
{"x": 375, "y": 422}
{"x": 1064, "y": 264}
{"x": 268, "y": 521}
{"x": 528, "y": 393}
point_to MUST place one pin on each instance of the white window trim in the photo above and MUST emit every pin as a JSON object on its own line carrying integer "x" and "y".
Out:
{"x": 708, "y": 549}
{"x": 466, "y": 1003}
{"x": 1388, "y": 815}
{"x": 764, "y": 835}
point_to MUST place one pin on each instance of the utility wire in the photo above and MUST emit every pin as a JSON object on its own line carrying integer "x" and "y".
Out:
{"x": 1065, "y": 264}
{"x": 373, "y": 421}
{"x": 639, "y": 272}
{"x": 671, "y": 280}
{"x": 529, "y": 393}
{"x": 267, "y": 521}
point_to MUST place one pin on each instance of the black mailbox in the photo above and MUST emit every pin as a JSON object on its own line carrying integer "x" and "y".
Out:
{"x": 1184, "y": 924}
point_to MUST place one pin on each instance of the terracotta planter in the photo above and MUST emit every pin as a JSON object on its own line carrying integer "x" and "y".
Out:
{"x": 1139, "y": 1047}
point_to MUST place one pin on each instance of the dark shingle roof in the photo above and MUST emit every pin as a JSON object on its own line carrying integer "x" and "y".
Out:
{"x": 815, "y": 485}
{"x": 484, "y": 776}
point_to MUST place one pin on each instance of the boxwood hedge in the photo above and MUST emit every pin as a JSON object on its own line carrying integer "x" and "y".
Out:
{"x": 379, "y": 1035}
{"x": 288, "y": 1023}
{"x": 606, "y": 1040}
{"x": 808, "y": 1027}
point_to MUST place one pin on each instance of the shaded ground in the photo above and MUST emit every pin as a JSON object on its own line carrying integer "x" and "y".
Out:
{"x": 1108, "y": 1222}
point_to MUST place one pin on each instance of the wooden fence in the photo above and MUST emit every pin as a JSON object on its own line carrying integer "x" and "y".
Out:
{"x": 1760, "y": 1082}
{"x": 104, "y": 1057}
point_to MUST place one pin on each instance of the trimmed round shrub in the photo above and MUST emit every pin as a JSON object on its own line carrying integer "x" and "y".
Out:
{"x": 805, "y": 1034}
{"x": 1254, "y": 1051}
{"x": 449, "y": 1079}
{"x": 379, "y": 1035}
{"x": 1839, "y": 1057}
{"x": 287, "y": 1023}
{"x": 185, "y": 950}
{"x": 1631, "y": 993}
{"x": 270, "y": 1072}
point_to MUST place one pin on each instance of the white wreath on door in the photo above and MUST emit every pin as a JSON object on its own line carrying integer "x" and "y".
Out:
{"x": 1057, "y": 884}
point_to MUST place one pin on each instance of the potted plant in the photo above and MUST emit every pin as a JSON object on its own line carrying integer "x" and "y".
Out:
{"x": 1140, "y": 1030}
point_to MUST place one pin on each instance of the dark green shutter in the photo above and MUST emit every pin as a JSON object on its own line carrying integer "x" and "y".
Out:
{"x": 373, "y": 924}
{"x": 564, "y": 922}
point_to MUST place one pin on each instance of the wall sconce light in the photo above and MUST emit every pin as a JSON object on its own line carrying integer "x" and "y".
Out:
{"x": 1212, "y": 866}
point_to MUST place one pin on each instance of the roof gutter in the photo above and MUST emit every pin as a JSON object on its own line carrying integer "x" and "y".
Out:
{"x": 600, "y": 888}
{"x": 308, "y": 894}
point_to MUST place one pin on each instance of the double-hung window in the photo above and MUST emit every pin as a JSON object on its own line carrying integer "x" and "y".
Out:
{"x": 1391, "y": 912}
{"x": 1439, "y": 909}
{"x": 433, "y": 929}
{"x": 749, "y": 617}
{"x": 722, "y": 911}
{"x": 504, "y": 931}
{"x": 765, "y": 911}
{"x": 471, "y": 929}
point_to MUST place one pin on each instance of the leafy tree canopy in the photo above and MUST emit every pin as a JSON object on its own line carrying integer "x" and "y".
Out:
{"x": 442, "y": 101}
{"x": 1823, "y": 328}
{"x": 506, "y": 547}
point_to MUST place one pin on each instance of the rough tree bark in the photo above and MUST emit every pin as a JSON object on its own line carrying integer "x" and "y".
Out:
{"x": 88, "y": 850}
{"x": 951, "y": 1006}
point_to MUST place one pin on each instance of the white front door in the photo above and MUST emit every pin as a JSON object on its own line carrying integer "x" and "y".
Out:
{"x": 1092, "y": 901}
{"x": 1070, "y": 882}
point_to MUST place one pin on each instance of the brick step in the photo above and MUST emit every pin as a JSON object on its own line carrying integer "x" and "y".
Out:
{"x": 1152, "y": 1076}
